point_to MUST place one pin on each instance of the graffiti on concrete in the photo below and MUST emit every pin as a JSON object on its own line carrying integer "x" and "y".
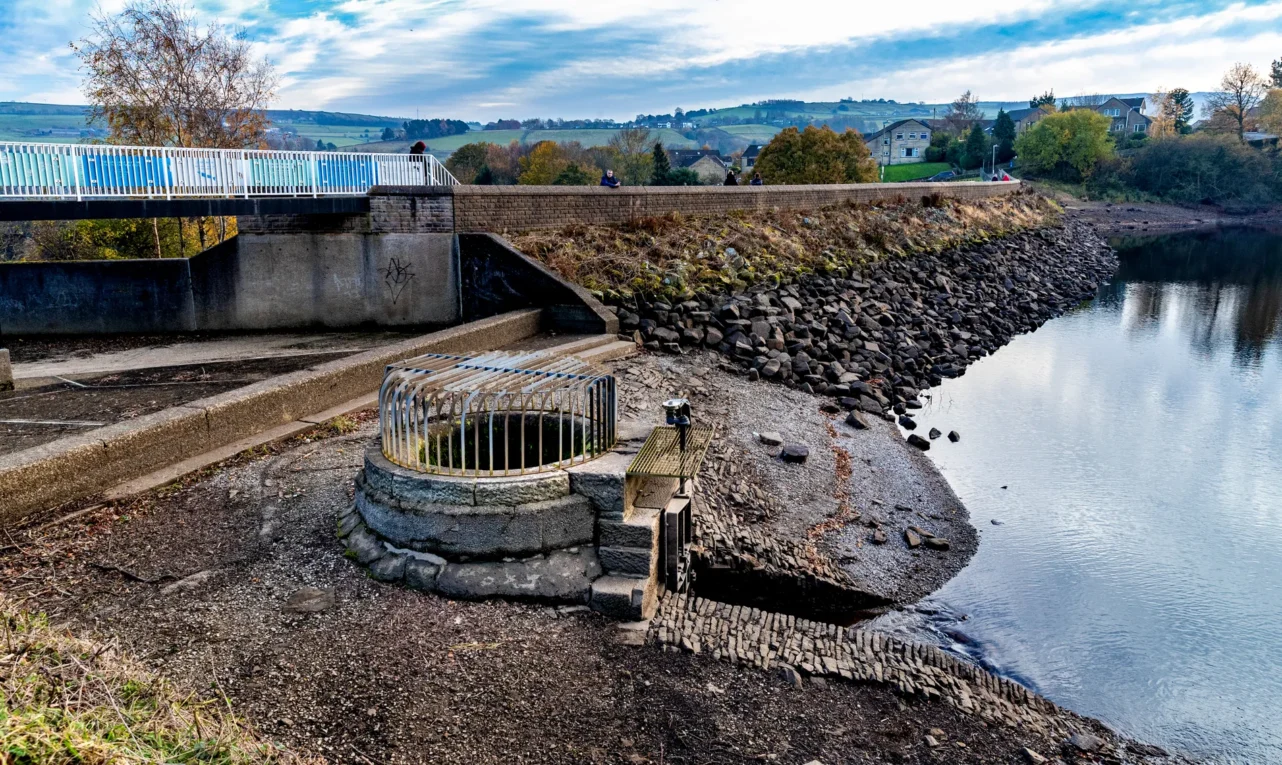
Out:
{"x": 396, "y": 276}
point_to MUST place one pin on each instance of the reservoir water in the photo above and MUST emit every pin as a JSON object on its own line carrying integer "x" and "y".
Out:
{"x": 1131, "y": 452}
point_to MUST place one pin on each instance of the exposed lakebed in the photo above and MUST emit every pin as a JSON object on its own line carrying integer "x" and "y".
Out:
{"x": 1131, "y": 452}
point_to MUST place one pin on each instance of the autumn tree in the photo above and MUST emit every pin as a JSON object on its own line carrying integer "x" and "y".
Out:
{"x": 1066, "y": 145}
{"x": 1241, "y": 90}
{"x": 962, "y": 113}
{"x": 1269, "y": 115}
{"x": 816, "y": 155}
{"x": 467, "y": 161}
{"x": 635, "y": 163}
{"x": 1275, "y": 74}
{"x": 155, "y": 77}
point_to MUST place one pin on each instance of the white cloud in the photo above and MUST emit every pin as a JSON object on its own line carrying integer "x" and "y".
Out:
{"x": 1190, "y": 53}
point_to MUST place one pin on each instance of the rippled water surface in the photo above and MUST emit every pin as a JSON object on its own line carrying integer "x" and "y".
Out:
{"x": 1132, "y": 452}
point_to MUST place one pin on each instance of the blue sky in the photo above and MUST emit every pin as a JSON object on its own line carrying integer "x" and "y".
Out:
{"x": 484, "y": 59}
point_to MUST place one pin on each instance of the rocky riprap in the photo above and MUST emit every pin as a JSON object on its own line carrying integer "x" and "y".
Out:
{"x": 878, "y": 335}
{"x": 795, "y": 647}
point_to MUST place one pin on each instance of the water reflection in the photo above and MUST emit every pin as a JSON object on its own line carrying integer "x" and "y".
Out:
{"x": 1132, "y": 451}
{"x": 1213, "y": 282}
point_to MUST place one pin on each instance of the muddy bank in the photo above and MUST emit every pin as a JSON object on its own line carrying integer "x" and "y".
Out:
{"x": 1122, "y": 218}
{"x": 824, "y": 538}
{"x": 205, "y": 582}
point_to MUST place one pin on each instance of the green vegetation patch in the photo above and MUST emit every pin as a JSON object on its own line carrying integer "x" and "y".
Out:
{"x": 897, "y": 173}
{"x": 68, "y": 701}
{"x": 677, "y": 258}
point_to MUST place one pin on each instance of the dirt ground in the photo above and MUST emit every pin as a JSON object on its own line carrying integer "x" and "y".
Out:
{"x": 1137, "y": 217}
{"x": 890, "y": 486}
{"x": 196, "y": 581}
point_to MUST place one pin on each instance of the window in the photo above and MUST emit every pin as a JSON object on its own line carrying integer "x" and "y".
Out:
{"x": 912, "y": 136}
{"x": 901, "y": 151}
{"x": 925, "y": 136}
{"x": 1140, "y": 128}
{"x": 1113, "y": 112}
{"x": 899, "y": 136}
{"x": 912, "y": 152}
{"x": 885, "y": 142}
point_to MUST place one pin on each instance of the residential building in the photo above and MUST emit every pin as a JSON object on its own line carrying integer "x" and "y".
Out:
{"x": 1127, "y": 114}
{"x": 749, "y": 158}
{"x": 708, "y": 164}
{"x": 1026, "y": 118}
{"x": 900, "y": 143}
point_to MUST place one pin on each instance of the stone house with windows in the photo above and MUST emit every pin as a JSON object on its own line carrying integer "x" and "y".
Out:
{"x": 1026, "y": 118}
{"x": 900, "y": 143}
{"x": 708, "y": 164}
{"x": 1127, "y": 114}
{"x": 749, "y": 158}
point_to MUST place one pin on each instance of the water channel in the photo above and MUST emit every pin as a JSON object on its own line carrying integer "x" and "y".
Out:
{"x": 1131, "y": 455}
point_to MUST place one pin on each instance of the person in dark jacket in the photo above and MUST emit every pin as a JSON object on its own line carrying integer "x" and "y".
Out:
{"x": 730, "y": 179}
{"x": 609, "y": 180}
{"x": 418, "y": 148}
{"x": 756, "y": 180}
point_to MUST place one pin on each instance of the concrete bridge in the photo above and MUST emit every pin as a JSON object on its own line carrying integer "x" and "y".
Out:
{"x": 42, "y": 181}
{"x": 388, "y": 255}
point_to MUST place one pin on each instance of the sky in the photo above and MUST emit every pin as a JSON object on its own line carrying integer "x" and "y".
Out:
{"x": 490, "y": 59}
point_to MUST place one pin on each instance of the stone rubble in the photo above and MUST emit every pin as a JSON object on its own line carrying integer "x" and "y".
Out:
{"x": 875, "y": 336}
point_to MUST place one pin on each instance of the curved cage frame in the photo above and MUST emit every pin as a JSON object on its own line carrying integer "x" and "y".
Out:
{"x": 439, "y": 413}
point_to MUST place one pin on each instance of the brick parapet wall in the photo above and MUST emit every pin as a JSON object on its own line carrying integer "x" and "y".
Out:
{"x": 498, "y": 209}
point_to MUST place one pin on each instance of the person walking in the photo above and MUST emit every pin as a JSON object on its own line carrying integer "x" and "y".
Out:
{"x": 609, "y": 180}
{"x": 756, "y": 180}
{"x": 730, "y": 179}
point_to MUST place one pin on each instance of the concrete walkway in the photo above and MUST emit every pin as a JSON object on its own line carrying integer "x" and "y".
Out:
{"x": 181, "y": 352}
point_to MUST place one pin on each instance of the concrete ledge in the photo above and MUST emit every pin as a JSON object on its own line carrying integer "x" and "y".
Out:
{"x": 624, "y": 598}
{"x": 77, "y": 466}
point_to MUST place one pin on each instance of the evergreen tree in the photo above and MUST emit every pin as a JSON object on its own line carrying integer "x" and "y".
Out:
{"x": 1181, "y": 105}
{"x": 389, "y": 134}
{"x": 1045, "y": 99}
{"x": 573, "y": 175}
{"x": 662, "y": 168}
{"x": 1004, "y": 135}
{"x": 977, "y": 148}
{"x": 320, "y": 145}
{"x": 1275, "y": 74}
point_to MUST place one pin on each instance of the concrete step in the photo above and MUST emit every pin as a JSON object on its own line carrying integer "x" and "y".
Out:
{"x": 579, "y": 346}
{"x": 625, "y": 597}
{"x": 618, "y": 349}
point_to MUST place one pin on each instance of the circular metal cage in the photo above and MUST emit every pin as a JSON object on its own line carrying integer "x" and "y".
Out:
{"x": 496, "y": 414}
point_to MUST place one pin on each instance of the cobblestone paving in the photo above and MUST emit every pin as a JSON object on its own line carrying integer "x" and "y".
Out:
{"x": 751, "y": 637}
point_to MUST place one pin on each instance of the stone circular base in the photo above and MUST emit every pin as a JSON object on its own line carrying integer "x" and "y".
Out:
{"x": 471, "y": 518}
{"x": 558, "y": 576}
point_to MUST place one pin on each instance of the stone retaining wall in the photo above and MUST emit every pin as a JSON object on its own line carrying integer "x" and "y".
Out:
{"x": 463, "y": 209}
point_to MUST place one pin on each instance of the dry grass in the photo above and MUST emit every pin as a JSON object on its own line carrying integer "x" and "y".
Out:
{"x": 680, "y": 257}
{"x": 66, "y": 700}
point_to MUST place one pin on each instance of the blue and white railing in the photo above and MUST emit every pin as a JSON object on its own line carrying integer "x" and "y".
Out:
{"x": 58, "y": 171}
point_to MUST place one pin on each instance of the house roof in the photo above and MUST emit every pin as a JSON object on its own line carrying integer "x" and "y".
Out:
{"x": 895, "y": 126}
{"x": 752, "y": 151}
{"x": 1019, "y": 114}
{"x": 687, "y": 157}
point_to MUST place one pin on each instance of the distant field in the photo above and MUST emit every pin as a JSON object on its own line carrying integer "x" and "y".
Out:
{"x": 897, "y": 173}
{"x": 754, "y": 133}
